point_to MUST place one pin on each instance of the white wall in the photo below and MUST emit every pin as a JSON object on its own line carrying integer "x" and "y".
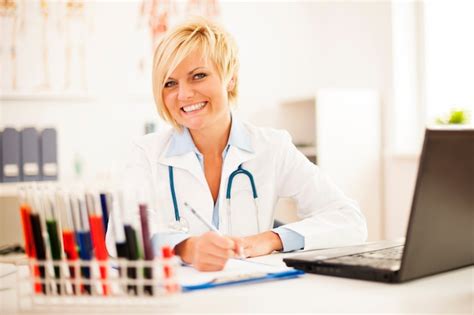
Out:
{"x": 399, "y": 186}
{"x": 288, "y": 50}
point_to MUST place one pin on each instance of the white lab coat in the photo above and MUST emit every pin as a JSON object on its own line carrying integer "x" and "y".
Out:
{"x": 328, "y": 217}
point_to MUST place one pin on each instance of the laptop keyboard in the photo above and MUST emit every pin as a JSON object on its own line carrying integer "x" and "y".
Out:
{"x": 394, "y": 253}
{"x": 389, "y": 258}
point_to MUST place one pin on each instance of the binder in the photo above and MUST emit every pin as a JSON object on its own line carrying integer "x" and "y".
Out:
{"x": 49, "y": 154}
{"x": 29, "y": 155}
{"x": 10, "y": 155}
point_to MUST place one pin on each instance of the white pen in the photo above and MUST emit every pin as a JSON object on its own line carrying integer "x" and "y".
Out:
{"x": 211, "y": 227}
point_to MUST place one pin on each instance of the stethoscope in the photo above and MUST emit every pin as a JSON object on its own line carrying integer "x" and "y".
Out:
{"x": 181, "y": 224}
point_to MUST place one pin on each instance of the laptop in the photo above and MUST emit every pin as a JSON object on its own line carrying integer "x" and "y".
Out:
{"x": 440, "y": 229}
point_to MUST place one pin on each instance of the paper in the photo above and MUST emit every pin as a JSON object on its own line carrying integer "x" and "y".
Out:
{"x": 234, "y": 270}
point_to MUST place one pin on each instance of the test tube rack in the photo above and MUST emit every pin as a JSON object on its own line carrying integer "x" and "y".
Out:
{"x": 153, "y": 282}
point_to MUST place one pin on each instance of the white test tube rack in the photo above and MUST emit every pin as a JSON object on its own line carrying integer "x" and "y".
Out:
{"x": 60, "y": 293}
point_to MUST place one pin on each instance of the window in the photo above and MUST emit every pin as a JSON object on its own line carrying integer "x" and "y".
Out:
{"x": 449, "y": 57}
{"x": 433, "y": 66}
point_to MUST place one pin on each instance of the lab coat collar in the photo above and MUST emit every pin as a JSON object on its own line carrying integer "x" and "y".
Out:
{"x": 182, "y": 142}
{"x": 239, "y": 136}
{"x": 182, "y": 152}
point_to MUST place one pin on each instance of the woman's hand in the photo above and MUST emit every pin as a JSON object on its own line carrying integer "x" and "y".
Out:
{"x": 261, "y": 244}
{"x": 208, "y": 252}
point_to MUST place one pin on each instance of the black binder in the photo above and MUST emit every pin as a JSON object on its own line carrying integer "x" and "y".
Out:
{"x": 29, "y": 155}
{"x": 10, "y": 155}
{"x": 49, "y": 154}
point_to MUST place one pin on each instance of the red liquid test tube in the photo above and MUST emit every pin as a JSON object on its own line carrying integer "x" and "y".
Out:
{"x": 25, "y": 211}
{"x": 170, "y": 283}
{"x": 98, "y": 237}
{"x": 98, "y": 241}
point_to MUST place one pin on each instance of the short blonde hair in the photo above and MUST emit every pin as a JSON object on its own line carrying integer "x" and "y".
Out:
{"x": 196, "y": 34}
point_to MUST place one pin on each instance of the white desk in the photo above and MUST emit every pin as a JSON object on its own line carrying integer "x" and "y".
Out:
{"x": 450, "y": 292}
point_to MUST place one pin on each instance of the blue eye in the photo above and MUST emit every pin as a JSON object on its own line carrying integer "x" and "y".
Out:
{"x": 169, "y": 84}
{"x": 199, "y": 76}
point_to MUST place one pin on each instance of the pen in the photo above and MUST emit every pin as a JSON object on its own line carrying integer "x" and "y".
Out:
{"x": 207, "y": 224}
{"x": 211, "y": 227}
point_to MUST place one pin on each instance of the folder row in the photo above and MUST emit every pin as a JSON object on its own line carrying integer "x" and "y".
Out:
{"x": 28, "y": 155}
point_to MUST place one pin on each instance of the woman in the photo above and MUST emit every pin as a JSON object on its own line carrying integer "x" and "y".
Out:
{"x": 195, "y": 81}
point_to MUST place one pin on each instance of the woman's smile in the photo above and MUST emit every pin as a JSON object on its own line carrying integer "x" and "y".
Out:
{"x": 193, "y": 108}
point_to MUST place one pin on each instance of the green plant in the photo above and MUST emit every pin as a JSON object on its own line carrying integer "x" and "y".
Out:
{"x": 455, "y": 117}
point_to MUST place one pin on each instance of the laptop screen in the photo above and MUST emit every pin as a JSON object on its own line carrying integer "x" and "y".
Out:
{"x": 440, "y": 231}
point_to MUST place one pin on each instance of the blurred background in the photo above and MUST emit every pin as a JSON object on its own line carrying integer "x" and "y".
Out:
{"x": 354, "y": 82}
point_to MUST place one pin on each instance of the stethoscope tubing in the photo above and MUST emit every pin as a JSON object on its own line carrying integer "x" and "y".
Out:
{"x": 239, "y": 170}
{"x": 173, "y": 193}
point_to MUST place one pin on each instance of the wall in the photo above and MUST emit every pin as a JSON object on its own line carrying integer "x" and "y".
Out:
{"x": 399, "y": 186}
{"x": 288, "y": 50}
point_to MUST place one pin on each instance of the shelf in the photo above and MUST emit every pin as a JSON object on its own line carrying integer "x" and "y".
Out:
{"x": 9, "y": 189}
{"x": 73, "y": 97}
{"x": 47, "y": 96}
{"x": 298, "y": 101}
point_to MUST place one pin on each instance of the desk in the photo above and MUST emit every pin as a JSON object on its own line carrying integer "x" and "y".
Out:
{"x": 450, "y": 292}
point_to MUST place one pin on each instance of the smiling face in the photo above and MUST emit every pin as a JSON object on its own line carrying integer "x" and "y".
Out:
{"x": 195, "y": 95}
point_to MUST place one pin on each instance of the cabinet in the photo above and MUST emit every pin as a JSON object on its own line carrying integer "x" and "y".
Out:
{"x": 341, "y": 130}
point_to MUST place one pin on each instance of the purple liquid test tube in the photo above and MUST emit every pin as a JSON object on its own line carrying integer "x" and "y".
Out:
{"x": 147, "y": 248}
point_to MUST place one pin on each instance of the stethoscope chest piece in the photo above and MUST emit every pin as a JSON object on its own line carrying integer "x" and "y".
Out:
{"x": 179, "y": 226}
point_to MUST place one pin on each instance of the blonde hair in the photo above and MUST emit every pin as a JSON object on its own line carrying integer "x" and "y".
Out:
{"x": 196, "y": 34}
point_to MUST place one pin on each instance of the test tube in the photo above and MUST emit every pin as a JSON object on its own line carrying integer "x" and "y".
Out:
{"x": 51, "y": 219}
{"x": 105, "y": 201}
{"x": 132, "y": 246}
{"x": 169, "y": 266}
{"x": 38, "y": 236}
{"x": 117, "y": 227}
{"x": 147, "y": 248}
{"x": 68, "y": 236}
{"x": 98, "y": 237}
{"x": 25, "y": 212}
{"x": 84, "y": 240}
{"x": 118, "y": 232}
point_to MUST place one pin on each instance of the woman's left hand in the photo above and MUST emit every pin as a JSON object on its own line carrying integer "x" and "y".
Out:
{"x": 260, "y": 244}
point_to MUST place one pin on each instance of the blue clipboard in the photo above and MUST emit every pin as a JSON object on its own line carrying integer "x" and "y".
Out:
{"x": 243, "y": 279}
